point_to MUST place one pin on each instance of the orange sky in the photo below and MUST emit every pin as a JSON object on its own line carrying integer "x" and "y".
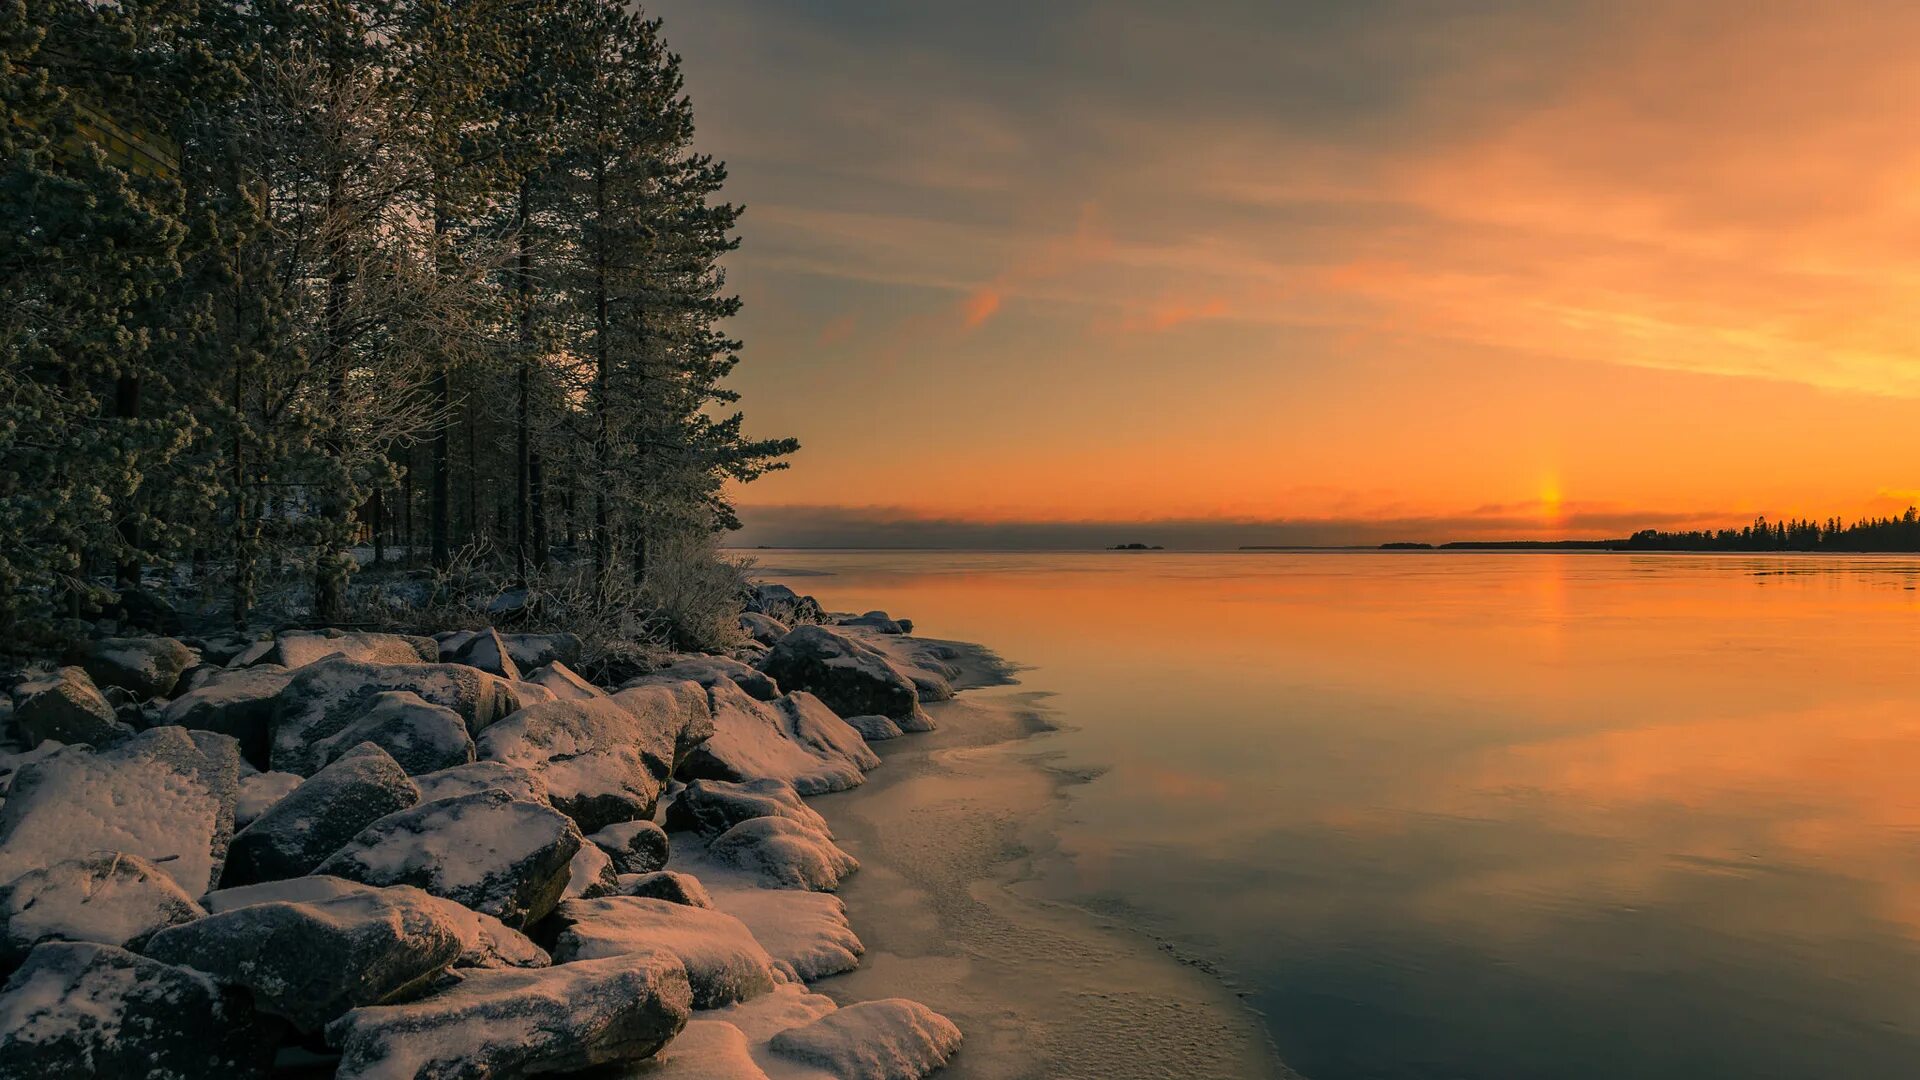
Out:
{"x": 1500, "y": 268}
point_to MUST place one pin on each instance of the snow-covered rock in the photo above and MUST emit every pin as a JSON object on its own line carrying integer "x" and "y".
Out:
{"x": 488, "y": 652}
{"x": 599, "y": 762}
{"x": 328, "y": 695}
{"x": 807, "y": 931}
{"x": 310, "y": 961}
{"x": 79, "y": 1011}
{"x": 485, "y": 942}
{"x": 531, "y": 651}
{"x": 360, "y": 787}
{"x": 795, "y": 738}
{"x": 679, "y": 714}
{"x": 783, "y": 854}
{"x": 670, "y": 885}
{"x": 590, "y": 874}
{"x": 636, "y": 847}
{"x": 783, "y": 603}
{"x": 166, "y": 795}
{"x": 723, "y": 961}
{"x": 874, "y": 727}
{"x": 498, "y": 855}
{"x": 259, "y": 791}
{"x": 764, "y": 629}
{"x": 889, "y": 1039}
{"x": 422, "y": 736}
{"x": 879, "y": 622}
{"x": 708, "y": 670}
{"x": 67, "y": 708}
{"x": 850, "y": 676}
{"x": 104, "y": 897}
{"x": 563, "y": 683}
{"x": 236, "y": 702}
{"x": 711, "y": 807}
{"x": 298, "y": 648}
{"x": 147, "y": 667}
{"x": 482, "y": 776}
{"x": 706, "y": 1050}
{"x": 509, "y": 1023}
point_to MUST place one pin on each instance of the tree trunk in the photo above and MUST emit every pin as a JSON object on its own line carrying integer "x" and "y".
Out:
{"x": 523, "y": 444}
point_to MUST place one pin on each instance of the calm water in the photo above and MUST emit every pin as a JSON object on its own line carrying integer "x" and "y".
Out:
{"x": 1484, "y": 815}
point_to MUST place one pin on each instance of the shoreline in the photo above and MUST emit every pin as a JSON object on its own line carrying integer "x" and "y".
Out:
{"x": 947, "y": 833}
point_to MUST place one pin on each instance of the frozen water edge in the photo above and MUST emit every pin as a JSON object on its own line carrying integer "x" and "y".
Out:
{"x": 945, "y": 831}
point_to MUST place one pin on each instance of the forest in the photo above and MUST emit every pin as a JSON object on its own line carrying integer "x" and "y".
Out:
{"x": 293, "y": 286}
{"x": 1899, "y": 533}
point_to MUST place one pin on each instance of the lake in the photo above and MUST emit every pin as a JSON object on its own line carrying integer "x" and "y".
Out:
{"x": 1480, "y": 814}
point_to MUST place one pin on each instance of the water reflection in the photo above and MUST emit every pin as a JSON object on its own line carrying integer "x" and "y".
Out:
{"x": 1486, "y": 815}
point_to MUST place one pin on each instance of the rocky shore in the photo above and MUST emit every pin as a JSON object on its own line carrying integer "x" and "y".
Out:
{"x": 374, "y": 855}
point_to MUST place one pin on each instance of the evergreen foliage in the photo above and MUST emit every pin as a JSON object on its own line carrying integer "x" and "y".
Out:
{"x": 435, "y": 277}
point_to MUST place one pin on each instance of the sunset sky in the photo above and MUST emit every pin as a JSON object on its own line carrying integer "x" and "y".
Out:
{"x": 1259, "y": 271}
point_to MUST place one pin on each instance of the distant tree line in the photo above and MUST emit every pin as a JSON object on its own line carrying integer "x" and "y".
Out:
{"x": 1901, "y": 533}
{"x": 283, "y": 277}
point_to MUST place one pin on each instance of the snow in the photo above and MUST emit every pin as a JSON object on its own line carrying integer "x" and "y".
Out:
{"x": 875, "y": 728}
{"x": 808, "y": 931}
{"x": 671, "y": 885}
{"x": 563, "y": 683}
{"x": 259, "y": 791}
{"x": 595, "y": 757}
{"x": 590, "y": 873}
{"x": 298, "y": 648}
{"x": 421, "y": 736}
{"x": 889, "y": 1039}
{"x": 706, "y": 1050}
{"x": 724, "y": 963}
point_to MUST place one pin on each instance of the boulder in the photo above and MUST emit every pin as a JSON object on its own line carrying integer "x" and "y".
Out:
{"x": 590, "y": 874}
{"x": 636, "y": 847}
{"x": 141, "y": 609}
{"x": 530, "y": 651}
{"x": 889, "y": 1039}
{"x": 298, "y": 648}
{"x": 764, "y": 629}
{"x": 495, "y": 854}
{"x": 364, "y": 785}
{"x": 166, "y": 795}
{"x": 421, "y": 736}
{"x": 795, "y": 738}
{"x": 677, "y": 714}
{"x": 602, "y": 761}
{"x": 491, "y": 1025}
{"x": 147, "y": 667}
{"x": 807, "y": 931}
{"x": 259, "y": 791}
{"x": 563, "y": 683}
{"x": 252, "y": 654}
{"x": 708, "y": 670}
{"x": 104, "y": 897}
{"x": 707, "y": 1050}
{"x": 488, "y": 652}
{"x": 724, "y": 964}
{"x": 485, "y": 942}
{"x": 711, "y": 807}
{"x": 67, "y": 708}
{"x": 879, "y": 622}
{"x": 783, "y": 603}
{"x": 668, "y": 885}
{"x": 236, "y": 702}
{"x": 875, "y": 728}
{"x": 482, "y": 776}
{"x": 850, "y": 676}
{"x": 81, "y": 1011}
{"x": 783, "y": 854}
{"x": 532, "y": 693}
{"x": 328, "y": 695}
{"x": 310, "y": 961}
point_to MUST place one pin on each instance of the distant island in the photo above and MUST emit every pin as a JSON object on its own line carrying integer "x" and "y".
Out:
{"x": 1136, "y": 547}
{"x": 1900, "y": 533}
